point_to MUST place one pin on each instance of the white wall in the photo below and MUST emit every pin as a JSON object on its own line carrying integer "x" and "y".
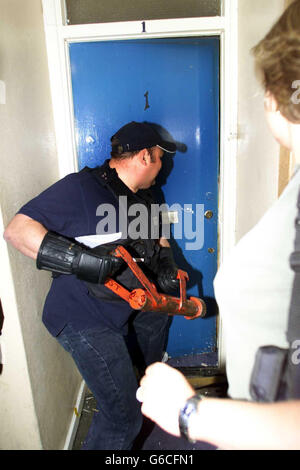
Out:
{"x": 38, "y": 384}
{"x": 17, "y": 406}
{"x": 258, "y": 153}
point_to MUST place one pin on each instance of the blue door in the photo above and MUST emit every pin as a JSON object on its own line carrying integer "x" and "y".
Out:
{"x": 173, "y": 83}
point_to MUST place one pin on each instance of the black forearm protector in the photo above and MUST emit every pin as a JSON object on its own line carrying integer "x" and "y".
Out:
{"x": 60, "y": 255}
{"x": 167, "y": 270}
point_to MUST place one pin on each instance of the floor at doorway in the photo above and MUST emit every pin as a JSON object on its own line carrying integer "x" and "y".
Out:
{"x": 201, "y": 370}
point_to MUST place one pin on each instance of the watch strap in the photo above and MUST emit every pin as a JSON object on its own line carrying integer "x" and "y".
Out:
{"x": 185, "y": 413}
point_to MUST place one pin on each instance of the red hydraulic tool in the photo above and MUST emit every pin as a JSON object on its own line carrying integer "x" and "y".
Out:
{"x": 149, "y": 299}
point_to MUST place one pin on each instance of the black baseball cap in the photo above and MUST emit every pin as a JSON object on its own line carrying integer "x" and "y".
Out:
{"x": 137, "y": 136}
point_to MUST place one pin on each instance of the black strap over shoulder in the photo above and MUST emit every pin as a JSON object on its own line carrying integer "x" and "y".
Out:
{"x": 108, "y": 178}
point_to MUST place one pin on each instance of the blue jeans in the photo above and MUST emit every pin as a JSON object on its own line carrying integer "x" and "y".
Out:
{"x": 104, "y": 359}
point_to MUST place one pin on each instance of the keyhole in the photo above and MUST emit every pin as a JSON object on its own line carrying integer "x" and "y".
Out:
{"x": 147, "y": 102}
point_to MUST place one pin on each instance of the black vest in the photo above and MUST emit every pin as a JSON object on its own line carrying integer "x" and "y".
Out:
{"x": 146, "y": 248}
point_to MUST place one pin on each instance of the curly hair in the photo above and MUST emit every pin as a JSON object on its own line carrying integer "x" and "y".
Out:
{"x": 278, "y": 59}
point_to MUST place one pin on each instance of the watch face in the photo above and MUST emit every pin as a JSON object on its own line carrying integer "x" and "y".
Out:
{"x": 190, "y": 408}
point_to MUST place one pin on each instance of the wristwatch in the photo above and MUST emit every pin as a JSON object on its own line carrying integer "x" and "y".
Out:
{"x": 188, "y": 410}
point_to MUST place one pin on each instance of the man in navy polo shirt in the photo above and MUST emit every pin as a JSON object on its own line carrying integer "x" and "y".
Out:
{"x": 63, "y": 229}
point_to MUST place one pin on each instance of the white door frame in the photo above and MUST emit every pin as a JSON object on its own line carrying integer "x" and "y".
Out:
{"x": 58, "y": 36}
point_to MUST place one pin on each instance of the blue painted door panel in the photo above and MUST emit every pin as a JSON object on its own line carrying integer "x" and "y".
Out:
{"x": 173, "y": 83}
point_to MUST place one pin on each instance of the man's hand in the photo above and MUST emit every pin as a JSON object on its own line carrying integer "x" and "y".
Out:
{"x": 163, "y": 392}
{"x": 110, "y": 263}
{"x": 167, "y": 271}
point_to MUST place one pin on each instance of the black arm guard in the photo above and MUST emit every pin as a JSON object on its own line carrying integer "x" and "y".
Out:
{"x": 60, "y": 255}
{"x": 167, "y": 271}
